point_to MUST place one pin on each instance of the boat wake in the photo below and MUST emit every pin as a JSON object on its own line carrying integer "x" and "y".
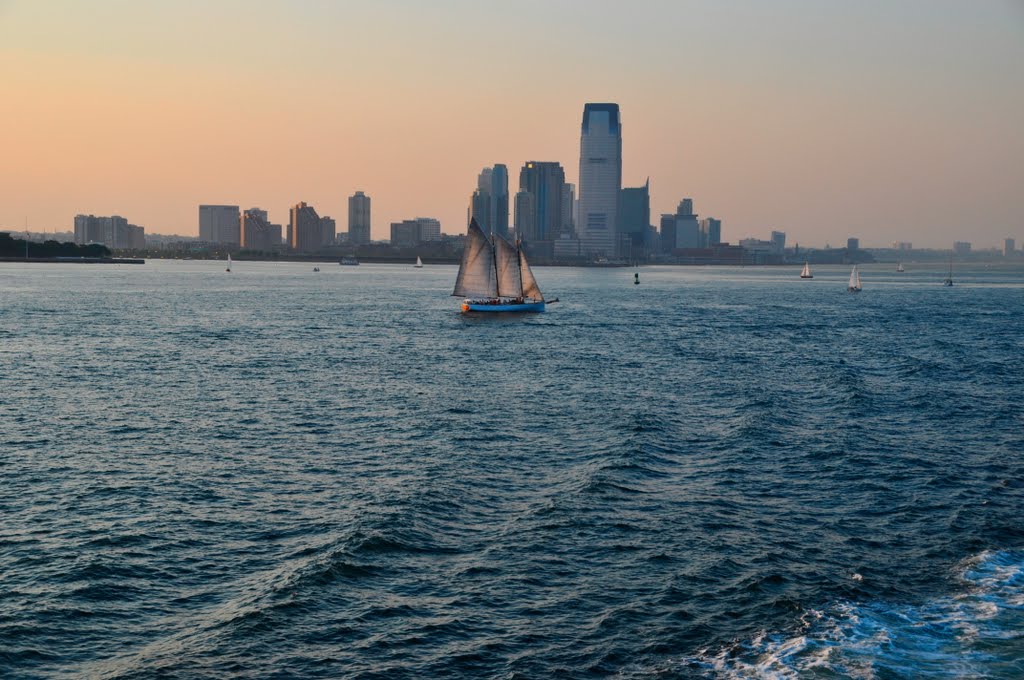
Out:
{"x": 978, "y": 632}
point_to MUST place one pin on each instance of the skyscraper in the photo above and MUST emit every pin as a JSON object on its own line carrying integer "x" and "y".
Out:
{"x": 600, "y": 178}
{"x": 489, "y": 203}
{"x": 304, "y": 230}
{"x": 710, "y": 232}
{"x": 526, "y": 214}
{"x": 687, "y": 228}
{"x": 359, "y": 218}
{"x": 634, "y": 220}
{"x": 220, "y": 224}
{"x": 545, "y": 181}
{"x": 257, "y": 232}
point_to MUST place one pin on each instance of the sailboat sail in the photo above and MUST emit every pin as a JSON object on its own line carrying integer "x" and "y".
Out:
{"x": 530, "y": 287}
{"x": 477, "y": 276}
{"x": 854, "y": 279}
{"x": 506, "y": 262}
{"x": 419, "y": 262}
{"x": 806, "y": 273}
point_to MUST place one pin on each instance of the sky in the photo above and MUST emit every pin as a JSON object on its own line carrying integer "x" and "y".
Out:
{"x": 882, "y": 119}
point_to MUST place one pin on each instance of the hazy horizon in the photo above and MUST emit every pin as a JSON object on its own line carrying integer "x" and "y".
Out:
{"x": 884, "y": 121}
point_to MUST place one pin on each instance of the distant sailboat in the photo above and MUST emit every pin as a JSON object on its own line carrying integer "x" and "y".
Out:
{"x": 900, "y": 268}
{"x": 854, "y": 286}
{"x": 229, "y": 264}
{"x": 806, "y": 273}
{"x": 949, "y": 279}
{"x": 495, "y": 277}
{"x": 419, "y": 263}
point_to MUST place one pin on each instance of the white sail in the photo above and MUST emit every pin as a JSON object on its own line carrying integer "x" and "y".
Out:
{"x": 854, "y": 279}
{"x": 530, "y": 287}
{"x": 477, "y": 277}
{"x": 506, "y": 262}
{"x": 806, "y": 273}
{"x": 419, "y": 262}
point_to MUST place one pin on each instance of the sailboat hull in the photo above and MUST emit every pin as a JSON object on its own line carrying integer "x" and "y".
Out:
{"x": 506, "y": 306}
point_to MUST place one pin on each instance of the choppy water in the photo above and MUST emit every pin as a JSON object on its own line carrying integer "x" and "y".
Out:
{"x": 720, "y": 472}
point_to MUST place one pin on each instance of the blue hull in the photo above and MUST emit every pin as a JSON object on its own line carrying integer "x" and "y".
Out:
{"x": 471, "y": 306}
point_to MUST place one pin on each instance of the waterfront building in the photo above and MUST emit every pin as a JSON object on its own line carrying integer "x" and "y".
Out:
{"x": 328, "y": 230}
{"x": 414, "y": 232}
{"x": 710, "y": 232}
{"x": 1008, "y": 247}
{"x": 220, "y": 224}
{"x": 600, "y": 179}
{"x": 687, "y": 228}
{"x": 668, "y": 232}
{"x": 961, "y": 247}
{"x": 304, "y": 230}
{"x": 634, "y": 220}
{"x": 114, "y": 232}
{"x": 525, "y": 214}
{"x": 852, "y": 244}
{"x": 257, "y": 232}
{"x": 489, "y": 203}
{"x": 544, "y": 181}
{"x": 778, "y": 239}
{"x": 359, "y": 219}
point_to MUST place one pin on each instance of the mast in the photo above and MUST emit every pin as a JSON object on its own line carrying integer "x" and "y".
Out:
{"x": 494, "y": 260}
{"x": 519, "y": 255}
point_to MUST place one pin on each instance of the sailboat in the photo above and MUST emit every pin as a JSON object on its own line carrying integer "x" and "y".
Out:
{"x": 495, "y": 277}
{"x": 806, "y": 273}
{"x": 229, "y": 264}
{"x": 899, "y": 268}
{"x": 419, "y": 263}
{"x": 949, "y": 279}
{"x": 854, "y": 286}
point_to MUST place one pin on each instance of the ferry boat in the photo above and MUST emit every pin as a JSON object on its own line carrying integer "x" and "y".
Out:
{"x": 348, "y": 261}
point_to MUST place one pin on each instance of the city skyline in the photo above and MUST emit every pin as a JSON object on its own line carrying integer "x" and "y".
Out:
{"x": 872, "y": 121}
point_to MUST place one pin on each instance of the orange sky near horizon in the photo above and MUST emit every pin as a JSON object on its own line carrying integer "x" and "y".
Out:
{"x": 887, "y": 121}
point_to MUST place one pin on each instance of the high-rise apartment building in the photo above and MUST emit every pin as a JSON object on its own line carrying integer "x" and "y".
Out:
{"x": 778, "y": 239}
{"x": 1009, "y": 245}
{"x": 600, "y": 178}
{"x": 304, "y": 231}
{"x": 220, "y": 224}
{"x": 852, "y": 243}
{"x": 687, "y": 228}
{"x": 328, "y": 230}
{"x": 257, "y": 231}
{"x": 113, "y": 232}
{"x": 545, "y": 181}
{"x": 359, "y": 218}
{"x": 489, "y": 203}
{"x": 525, "y": 215}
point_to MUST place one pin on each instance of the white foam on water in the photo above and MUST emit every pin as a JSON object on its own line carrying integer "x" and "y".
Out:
{"x": 977, "y": 632}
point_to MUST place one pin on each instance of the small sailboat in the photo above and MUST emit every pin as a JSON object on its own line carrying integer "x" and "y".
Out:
{"x": 419, "y": 263}
{"x": 949, "y": 278}
{"x": 229, "y": 264}
{"x": 494, "y": 276}
{"x": 854, "y": 286}
{"x": 899, "y": 268}
{"x": 806, "y": 273}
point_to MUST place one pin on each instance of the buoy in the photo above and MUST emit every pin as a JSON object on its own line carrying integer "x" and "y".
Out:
{"x": 636, "y": 279}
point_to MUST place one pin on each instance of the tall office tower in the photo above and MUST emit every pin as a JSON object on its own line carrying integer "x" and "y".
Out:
{"x": 304, "y": 231}
{"x": 525, "y": 215}
{"x": 359, "y": 218}
{"x": 328, "y": 230}
{"x": 489, "y": 203}
{"x": 1009, "y": 245}
{"x": 851, "y": 243}
{"x": 480, "y": 209}
{"x": 778, "y": 240}
{"x": 257, "y": 232}
{"x": 710, "y": 232}
{"x": 498, "y": 216}
{"x": 634, "y": 218}
{"x": 668, "y": 233}
{"x": 687, "y": 230}
{"x": 568, "y": 209}
{"x": 220, "y": 224}
{"x": 600, "y": 178}
{"x": 544, "y": 180}
{"x": 685, "y": 207}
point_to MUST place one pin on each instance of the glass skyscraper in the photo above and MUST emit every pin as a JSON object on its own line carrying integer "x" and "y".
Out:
{"x": 600, "y": 179}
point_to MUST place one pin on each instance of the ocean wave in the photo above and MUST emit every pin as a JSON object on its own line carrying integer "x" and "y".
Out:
{"x": 976, "y": 632}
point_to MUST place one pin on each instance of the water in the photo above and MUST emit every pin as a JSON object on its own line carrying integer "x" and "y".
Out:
{"x": 720, "y": 472}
